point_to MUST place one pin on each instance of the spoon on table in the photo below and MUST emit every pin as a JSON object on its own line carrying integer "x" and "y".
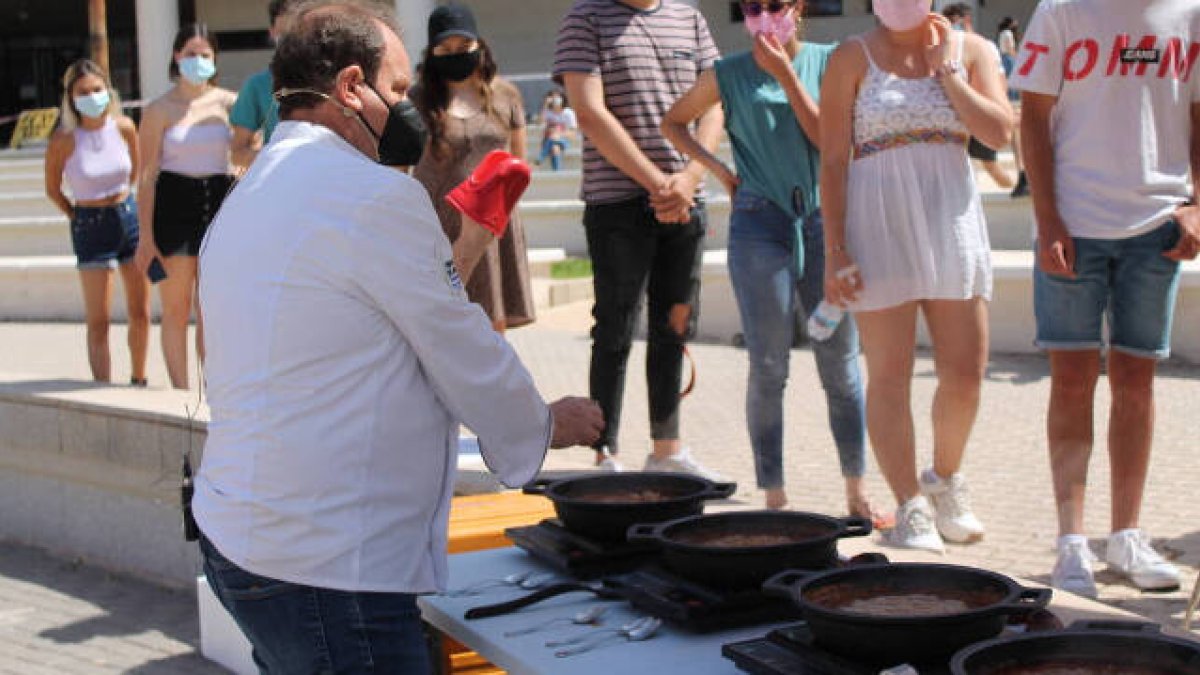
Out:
{"x": 586, "y": 617}
{"x": 641, "y": 630}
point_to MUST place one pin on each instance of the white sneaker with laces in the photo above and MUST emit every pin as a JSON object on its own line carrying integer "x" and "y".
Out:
{"x": 915, "y": 527}
{"x": 955, "y": 520}
{"x": 682, "y": 462}
{"x": 1129, "y": 552}
{"x": 1073, "y": 570}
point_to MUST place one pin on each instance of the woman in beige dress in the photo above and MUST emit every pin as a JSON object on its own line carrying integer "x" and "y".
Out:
{"x": 470, "y": 112}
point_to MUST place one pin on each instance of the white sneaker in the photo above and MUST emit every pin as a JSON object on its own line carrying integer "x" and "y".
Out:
{"x": 1129, "y": 553}
{"x": 915, "y": 527}
{"x": 608, "y": 463}
{"x": 682, "y": 462}
{"x": 1073, "y": 570}
{"x": 955, "y": 520}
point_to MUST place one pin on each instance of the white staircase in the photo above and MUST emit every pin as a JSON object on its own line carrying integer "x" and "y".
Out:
{"x": 38, "y": 279}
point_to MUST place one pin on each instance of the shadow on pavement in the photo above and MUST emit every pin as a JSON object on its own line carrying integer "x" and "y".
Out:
{"x": 119, "y": 606}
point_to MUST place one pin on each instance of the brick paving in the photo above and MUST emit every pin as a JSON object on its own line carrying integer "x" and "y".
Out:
{"x": 68, "y": 618}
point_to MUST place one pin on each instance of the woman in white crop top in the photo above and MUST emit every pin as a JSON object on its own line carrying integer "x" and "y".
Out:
{"x": 96, "y": 152}
{"x": 185, "y": 138}
{"x": 905, "y": 233}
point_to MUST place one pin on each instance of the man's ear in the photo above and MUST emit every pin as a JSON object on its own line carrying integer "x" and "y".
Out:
{"x": 347, "y": 85}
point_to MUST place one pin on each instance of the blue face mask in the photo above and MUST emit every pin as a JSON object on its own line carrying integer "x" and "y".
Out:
{"x": 93, "y": 105}
{"x": 197, "y": 69}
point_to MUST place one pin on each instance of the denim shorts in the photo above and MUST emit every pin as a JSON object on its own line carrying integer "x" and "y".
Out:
{"x": 104, "y": 236}
{"x": 1126, "y": 282}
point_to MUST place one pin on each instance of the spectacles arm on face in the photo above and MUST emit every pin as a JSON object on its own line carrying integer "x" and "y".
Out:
{"x": 756, "y": 8}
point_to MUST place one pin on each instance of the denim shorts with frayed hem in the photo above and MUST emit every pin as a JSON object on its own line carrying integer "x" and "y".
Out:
{"x": 104, "y": 237}
{"x": 1124, "y": 282}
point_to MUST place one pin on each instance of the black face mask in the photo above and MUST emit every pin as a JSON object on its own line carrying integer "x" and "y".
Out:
{"x": 455, "y": 67}
{"x": 403, "y": 136}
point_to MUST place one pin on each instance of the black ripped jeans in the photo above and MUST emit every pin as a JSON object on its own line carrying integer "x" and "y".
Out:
{"x": 635, "y": 255}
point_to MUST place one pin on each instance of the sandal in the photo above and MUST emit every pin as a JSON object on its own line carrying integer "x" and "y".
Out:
{"x": 880, "y": 520}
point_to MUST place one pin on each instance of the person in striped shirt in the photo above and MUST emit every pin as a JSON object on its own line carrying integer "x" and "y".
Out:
{"x": 623, "y": 64}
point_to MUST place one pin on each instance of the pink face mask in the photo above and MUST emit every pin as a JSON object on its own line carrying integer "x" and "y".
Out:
{"x": 780, "y": 24}
{"x": 902, "y": 15}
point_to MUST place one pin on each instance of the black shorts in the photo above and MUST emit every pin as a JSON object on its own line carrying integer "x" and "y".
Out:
{"x": 183, "y": 208}
{"x": 977, "y": 150}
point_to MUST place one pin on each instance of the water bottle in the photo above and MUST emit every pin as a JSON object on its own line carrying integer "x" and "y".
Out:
{"x": 824, "y": 321}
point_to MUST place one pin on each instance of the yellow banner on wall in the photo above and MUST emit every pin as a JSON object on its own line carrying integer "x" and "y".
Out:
{"x": 34, "y": 125}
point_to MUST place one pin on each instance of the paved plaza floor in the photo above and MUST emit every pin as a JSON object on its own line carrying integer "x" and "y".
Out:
{"x": 65, "y": 617}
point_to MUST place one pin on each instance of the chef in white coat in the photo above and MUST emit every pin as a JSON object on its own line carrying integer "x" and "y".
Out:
{"x": 342, "y": 355}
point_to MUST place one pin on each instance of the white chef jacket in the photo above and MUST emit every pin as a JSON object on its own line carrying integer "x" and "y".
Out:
{"x": 342, "y": 356}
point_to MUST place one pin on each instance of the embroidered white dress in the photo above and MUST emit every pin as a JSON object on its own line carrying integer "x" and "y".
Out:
{"x": 914, "y": 221}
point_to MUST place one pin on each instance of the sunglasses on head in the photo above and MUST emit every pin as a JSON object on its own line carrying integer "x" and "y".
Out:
{"x": 757, "y": 8}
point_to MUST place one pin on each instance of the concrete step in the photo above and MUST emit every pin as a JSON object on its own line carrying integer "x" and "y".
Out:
{"x": 21, "y": 203}
{"x": 34, "y": 235}
{"x": 571, "y": 159}
{"x": 46, "y": 288}
{"x": 1010, "y": 313}
{"x": 559, "y": 223}
{"x": 550, "y": 223}
{"x": 29, "y": 181}
{"x": 22, "y": 163}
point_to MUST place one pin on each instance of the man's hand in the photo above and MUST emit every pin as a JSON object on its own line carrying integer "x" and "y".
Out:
{"x": 1056, "y": 250}
{"x": 1188, "y": 218}
{"x": 673, "y": 201}
{"x": 577, "y": 421}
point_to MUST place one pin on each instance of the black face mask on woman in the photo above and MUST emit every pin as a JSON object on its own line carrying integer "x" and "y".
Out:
{"x": 454, "y": 67}
{"x": 403, "y": 136}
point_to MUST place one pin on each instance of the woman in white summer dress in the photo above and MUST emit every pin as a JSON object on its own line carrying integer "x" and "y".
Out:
{"x": 905, "y": 233}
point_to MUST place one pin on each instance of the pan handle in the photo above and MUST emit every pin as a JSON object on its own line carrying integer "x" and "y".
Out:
{"x": 537, "y": 486}
{"x": 781, "y": 584}
{"x": 485, "y": 611}
{"x": 1121, "y": 626}
{"x": 1028, "y": 599}
{"x": 643, "y": 532}
{"x": 855, "y": 526}
{"x": 719, "y": 491}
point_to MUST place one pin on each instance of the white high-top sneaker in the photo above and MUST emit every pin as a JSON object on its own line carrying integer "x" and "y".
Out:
{"x": 955, "y": 520}
{"x": 915, "y": 528}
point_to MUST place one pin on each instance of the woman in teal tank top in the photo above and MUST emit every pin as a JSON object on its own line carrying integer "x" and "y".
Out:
{"x": 776, "y": 244}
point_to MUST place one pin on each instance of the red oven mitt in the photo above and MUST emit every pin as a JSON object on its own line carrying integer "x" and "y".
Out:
{"x": 489, "y": 194}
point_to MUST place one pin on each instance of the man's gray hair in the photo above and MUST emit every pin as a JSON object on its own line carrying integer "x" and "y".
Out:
{"x": 323, "y": 37}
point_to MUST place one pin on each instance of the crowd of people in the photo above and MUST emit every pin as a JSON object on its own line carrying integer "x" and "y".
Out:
{"x": 851, "y": 188}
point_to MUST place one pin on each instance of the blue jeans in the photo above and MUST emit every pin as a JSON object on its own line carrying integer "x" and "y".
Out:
{"x": 298, "y": 630}
{"x": 1128, "y": 280}
{"x": 548, "y": 145}
{"x": 765, "y": 268}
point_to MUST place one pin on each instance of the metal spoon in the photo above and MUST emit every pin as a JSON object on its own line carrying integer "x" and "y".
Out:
{"x": 623, "y": 630}
{"x": 514, "y": 579}
{"x": 644, "y": 631}
{"x": 585, "y": 617}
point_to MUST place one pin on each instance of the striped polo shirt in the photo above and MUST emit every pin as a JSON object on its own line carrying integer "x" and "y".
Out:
{"x": 647, "y": 59}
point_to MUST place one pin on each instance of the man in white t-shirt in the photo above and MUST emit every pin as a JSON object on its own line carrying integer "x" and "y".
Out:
{"x": 1110, "y": 129}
